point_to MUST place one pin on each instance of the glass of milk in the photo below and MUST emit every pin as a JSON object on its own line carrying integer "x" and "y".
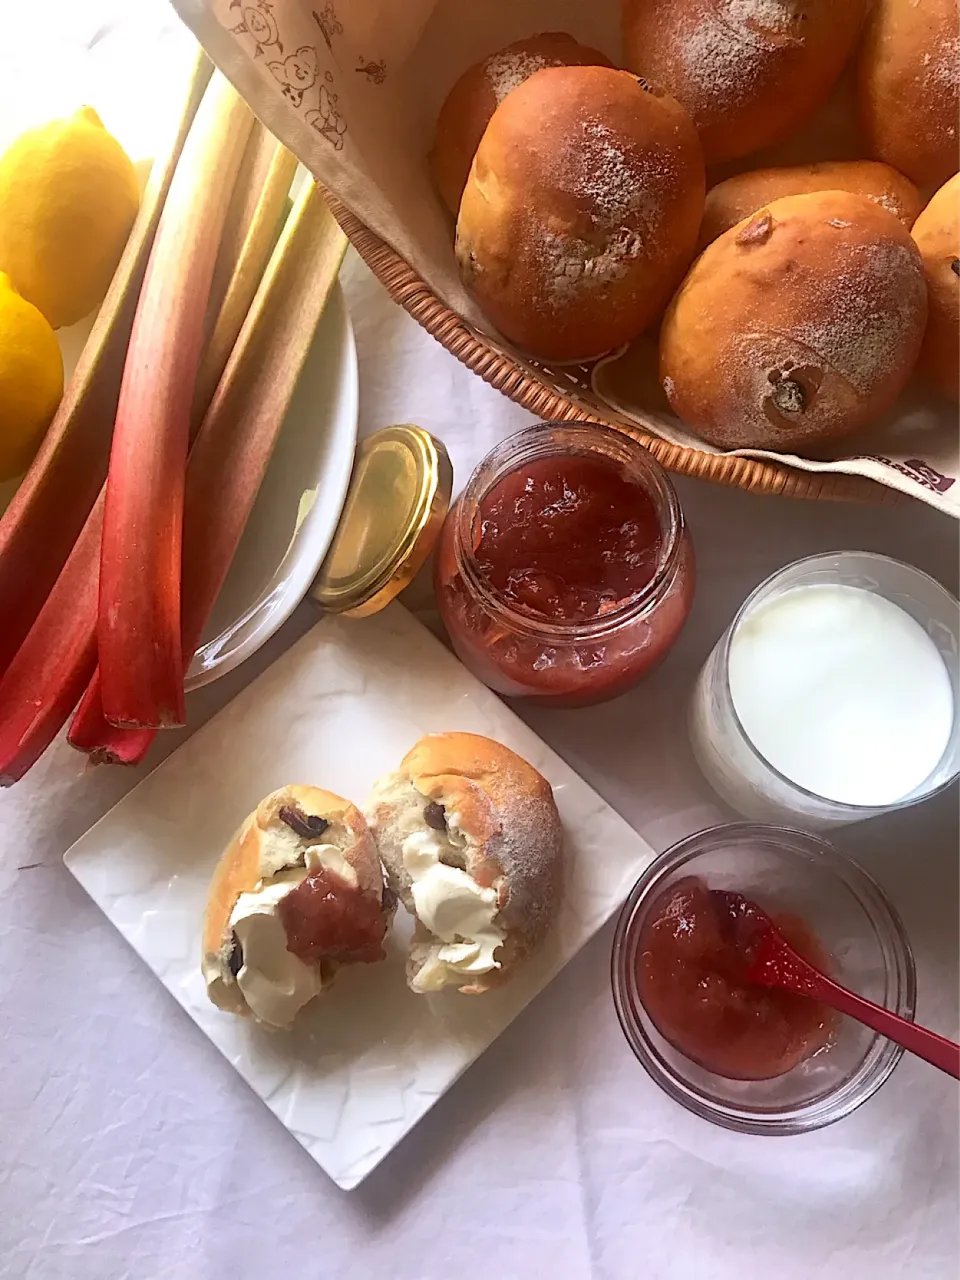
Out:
{"x": 833, "y": 696}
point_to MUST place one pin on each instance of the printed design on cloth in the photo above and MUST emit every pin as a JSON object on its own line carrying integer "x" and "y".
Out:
{"x": 376, "y": 72}
{"x": 257, "y": 20}
{"x": 329, "y": 25}
{"x": 297, "y": 72}
{"x": 327, "y": 120}
{"x": 915, "y": 469}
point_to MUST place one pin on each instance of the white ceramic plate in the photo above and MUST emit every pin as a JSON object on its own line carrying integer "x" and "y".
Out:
{"x": 299, "y": 504}
{"x": 297, "y": 509}
{"x": 343, "y": 706}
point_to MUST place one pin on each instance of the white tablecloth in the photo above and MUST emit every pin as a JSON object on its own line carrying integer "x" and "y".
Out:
{"x": 128, "y": 1146}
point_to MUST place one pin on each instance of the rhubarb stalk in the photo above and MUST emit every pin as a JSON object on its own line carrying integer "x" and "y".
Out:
{"x": 57, "y": 659}
{"x": 55, "y": 497}
{"x": 138, "y": 627}
{"x": 237, "y": 438}
{"x": 254, "y": 219}
{"x": 51, "y": 668}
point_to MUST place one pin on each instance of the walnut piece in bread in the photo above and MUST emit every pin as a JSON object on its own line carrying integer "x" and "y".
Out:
{"x": 472, "y": 843}
{"x": 297, "y": 893}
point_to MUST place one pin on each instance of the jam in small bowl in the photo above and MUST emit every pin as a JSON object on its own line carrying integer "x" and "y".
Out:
{"x": 758, "y": 1059}
{"x": 565, "y": 571}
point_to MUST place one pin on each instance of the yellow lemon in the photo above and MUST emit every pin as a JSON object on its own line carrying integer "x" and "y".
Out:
{"x": 31, "y": 379}
{"x": 68, "y": 198}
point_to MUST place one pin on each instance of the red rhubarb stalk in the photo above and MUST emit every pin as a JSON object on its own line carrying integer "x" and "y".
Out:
{"x": 237, "y": 438}
{"x": 56, "y": 660}
{"x": 55, "y": 497}
{"x": 138, "y": 626}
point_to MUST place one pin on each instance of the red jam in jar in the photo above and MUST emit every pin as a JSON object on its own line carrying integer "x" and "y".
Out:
{"x": 692, "y": 953}
{"x": 564, "y": 571}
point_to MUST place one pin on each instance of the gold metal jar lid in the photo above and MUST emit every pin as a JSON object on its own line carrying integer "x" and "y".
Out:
{"x": 398, "y": 497}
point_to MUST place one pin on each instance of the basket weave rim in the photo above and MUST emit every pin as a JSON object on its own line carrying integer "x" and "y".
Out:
{"x": 525, "y": 387}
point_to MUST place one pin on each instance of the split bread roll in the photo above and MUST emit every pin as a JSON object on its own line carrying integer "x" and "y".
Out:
{"x": 748, "y": 71}
{"x": 799, "y": 325}
{"x": 471, "y": 102}
{"x": 937, "y": 235}
{"x": 471, "y": 840}
{"x": 909, "y": 87}
{"x": 731, "y": 201}
{"x": 581, "y": 211}
{"x": 297, "y": 893}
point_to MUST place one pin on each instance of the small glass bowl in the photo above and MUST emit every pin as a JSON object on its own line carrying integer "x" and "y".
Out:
{"x": 849, "y": 914}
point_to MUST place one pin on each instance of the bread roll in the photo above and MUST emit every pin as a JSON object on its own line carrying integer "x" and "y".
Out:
{"x": 909, "y": 88}
{"x": 937, "y": 234}
{"x": 748, "y": 71}
{"x": 581, "y": 211}
{"x": 798, "y": 325}
{"x": 473, "y": 99}
{"x": 297, "y": 893}
{"x": 730, "y": 202}
{"x": 471, "y": 840}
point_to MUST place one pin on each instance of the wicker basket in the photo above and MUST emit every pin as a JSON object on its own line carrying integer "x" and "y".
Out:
{"x": 566, "y": 394}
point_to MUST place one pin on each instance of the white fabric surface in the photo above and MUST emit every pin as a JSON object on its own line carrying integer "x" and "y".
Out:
{"x": 128, "y": 1147}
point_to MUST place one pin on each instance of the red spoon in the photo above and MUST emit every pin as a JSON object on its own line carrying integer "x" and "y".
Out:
{"x": 770, "y": 961}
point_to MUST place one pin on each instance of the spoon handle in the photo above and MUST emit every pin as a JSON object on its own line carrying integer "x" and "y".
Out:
{"x": 937, "y": 1050}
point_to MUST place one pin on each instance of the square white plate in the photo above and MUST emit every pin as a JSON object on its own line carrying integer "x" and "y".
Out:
{"x": 365, "y": 1062}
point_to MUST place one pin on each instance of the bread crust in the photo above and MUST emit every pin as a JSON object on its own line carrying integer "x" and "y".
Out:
{"x": 748, "y": 73}
{"x": 512, "y": 836}
{"x": 581, "y": 211}
{"x": 471, "y": 102}
{"x": 908, "y": 88}
{"x": 736, "y": 198}
{"x": 937, "y": 235}
{"x": 798, "y": 325}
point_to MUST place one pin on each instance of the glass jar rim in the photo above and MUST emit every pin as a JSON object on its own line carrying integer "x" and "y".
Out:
{"x": 877, "y": 906}
{"x": 843, "y": 806}
{"x": 534, "y": 442}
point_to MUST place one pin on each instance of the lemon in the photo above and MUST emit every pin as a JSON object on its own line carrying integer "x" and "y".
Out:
{"x": 31, "y": 379}
{"x": 68, "y": 198}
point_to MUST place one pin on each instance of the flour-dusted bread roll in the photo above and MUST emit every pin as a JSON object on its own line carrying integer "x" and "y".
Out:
{"x": 471, "y": 840}
{"x": 798, "y": 325}
{"x": 937, "y": 234}
{"x": 748, "y": 71}
{"x": 473, "y": 99}
{"x": 731, "y": 201}
{"x": 297, "y": 893}
{"x": 909, "y": 87}
{"x": 581, "y": 211}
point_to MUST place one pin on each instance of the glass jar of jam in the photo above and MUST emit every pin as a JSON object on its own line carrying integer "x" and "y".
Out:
{"x": 749, "y": 1058}
{"x": 565, "y": 571}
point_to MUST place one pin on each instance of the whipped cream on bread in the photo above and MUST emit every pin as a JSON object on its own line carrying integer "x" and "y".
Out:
{"x": 274, "y": 983}
{"x": 457, "y": 910}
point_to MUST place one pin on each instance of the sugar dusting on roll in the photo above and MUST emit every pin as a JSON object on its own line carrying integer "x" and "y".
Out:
{"x": 471, "y": 102}
{"x": 798, "y": 325}
{"x": 581, "y": 211}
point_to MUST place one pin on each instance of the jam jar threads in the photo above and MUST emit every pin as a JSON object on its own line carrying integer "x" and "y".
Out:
{"x": 565, "y": 571}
